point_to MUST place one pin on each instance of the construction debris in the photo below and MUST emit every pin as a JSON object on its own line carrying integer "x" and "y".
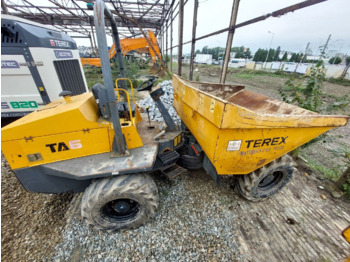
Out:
{"x": 167, "y": 100}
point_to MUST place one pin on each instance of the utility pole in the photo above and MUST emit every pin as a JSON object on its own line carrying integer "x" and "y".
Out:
{"x": 268, "y": 51}
{"x": 325, "y": 46}
{"x": 229, "y": 41}
{"x": 302, "y": 58}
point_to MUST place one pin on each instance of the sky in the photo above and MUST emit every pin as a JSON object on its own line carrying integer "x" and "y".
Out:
{"x": 291, "y": 32}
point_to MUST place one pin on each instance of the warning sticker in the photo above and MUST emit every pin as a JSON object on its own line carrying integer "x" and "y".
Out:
{"x": 234, "y": 145}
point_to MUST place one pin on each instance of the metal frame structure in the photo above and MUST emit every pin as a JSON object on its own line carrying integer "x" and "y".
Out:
{"x": 178, "y": 9}
{"x": 73, "y": 17}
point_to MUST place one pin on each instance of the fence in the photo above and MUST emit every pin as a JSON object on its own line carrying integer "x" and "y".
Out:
{"x": 334, "y": 71}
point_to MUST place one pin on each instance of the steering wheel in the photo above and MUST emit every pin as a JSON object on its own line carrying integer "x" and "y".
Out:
{"x": 148, "y": 84}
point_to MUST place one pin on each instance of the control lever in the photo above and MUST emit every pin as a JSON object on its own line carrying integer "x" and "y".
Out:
{"x": 149, "y": 119}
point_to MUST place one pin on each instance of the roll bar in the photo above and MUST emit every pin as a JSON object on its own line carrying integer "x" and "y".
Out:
{"x": 100, "y": 10}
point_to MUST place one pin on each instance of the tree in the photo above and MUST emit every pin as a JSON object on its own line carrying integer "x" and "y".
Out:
{"x": 335, "y": 60}
{"x": 277, "y": 54}
{"x": 293, "y": 57}
{"x": 260, "y": 55}
{"x": 240, "y": 52}
{"x": 298, "y": 57}
{"x": 247, "y": 53}
{"x": 285, "y": 57}
{"x": 197, "y": 52}
{"x": 271, "y": 55}
{"x": 304, "y": 58}
{"x": 235, "y": 49}
{"x": 205, "y": 50}
{"x": 255, "y": 58}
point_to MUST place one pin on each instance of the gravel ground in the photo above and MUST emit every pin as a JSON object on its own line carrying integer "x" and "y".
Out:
{"x": 31, "y": 224}
{"x": 189, "y": 226}
{"x": 196, "y": 221}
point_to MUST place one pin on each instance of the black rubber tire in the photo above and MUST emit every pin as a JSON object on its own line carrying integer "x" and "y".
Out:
{"x": 191, "y": 162}
{"x": 252, "y": 187}
{"x": 136, "y": 188}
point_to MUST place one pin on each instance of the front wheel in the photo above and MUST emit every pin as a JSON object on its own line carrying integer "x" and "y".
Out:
{"x": 268, "y": 180}
{"x": 121, "y": 202}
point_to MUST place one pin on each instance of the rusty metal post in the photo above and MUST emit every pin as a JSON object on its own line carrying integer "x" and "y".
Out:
{"x": 229, "y": 41}
{"x": 166, "y": 44}
{"x": 171, "y": 39}
{"x": 193, "y": 46}
{"x": 181, "y": 27}
{"x": 4, "y": 7}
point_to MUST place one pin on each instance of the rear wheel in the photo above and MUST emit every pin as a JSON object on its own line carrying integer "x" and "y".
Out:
{"x": 120, "y": 202}
{"x": 268, "y": 180}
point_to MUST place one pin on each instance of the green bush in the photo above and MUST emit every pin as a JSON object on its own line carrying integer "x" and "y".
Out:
{"x": 335, "y": 60}
{"x": 308, "y": 94}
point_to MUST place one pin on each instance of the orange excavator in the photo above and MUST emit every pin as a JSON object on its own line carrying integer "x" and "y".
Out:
{"x": 139, "y": 45}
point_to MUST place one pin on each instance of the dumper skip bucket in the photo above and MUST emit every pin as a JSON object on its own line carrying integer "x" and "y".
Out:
{"x": 241, "y": 131}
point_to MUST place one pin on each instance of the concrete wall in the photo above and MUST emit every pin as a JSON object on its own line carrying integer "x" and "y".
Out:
{"x": 334, "y": 71}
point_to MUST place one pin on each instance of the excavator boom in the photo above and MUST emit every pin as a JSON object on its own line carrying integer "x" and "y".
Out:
{"x": 128, "y": 44}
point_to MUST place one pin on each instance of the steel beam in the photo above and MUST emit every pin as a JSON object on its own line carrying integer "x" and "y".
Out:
{"x": 181, "y": 28}
{"x": 229, "y": 41}
{"x": 171, "y": 40}
{"x": 194, "y": 26}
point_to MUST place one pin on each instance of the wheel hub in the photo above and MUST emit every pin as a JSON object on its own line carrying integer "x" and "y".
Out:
{"x": 271, "y": 180}
{"x": 121, "y": 209}
{"x": 121, "y": 206}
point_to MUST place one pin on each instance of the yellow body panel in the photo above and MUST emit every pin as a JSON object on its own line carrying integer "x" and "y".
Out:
{"x": 61, "y": 131}
{"x": 57, "y": 117}
{"x": 56, "y": 147}
{"x": 241, "y": 131}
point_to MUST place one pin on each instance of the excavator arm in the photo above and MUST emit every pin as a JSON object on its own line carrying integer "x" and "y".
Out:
{"x": 129, "y": 44}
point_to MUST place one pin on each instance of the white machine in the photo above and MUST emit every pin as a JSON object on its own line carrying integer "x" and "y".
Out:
{"x": 38, "y": 62}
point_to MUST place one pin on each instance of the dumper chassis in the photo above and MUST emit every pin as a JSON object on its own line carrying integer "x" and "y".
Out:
{"x": 100, "y": 144}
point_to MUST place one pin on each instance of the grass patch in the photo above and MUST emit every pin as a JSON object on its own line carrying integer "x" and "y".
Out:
{"x": 329, "y": 173}
{"x": 250, "y": 73}
{"x": 343, "y": 82}
{"x": 244, "y": 76}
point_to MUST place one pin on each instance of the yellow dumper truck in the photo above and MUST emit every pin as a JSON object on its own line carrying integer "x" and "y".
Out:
{"x": 99, "y": 144}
